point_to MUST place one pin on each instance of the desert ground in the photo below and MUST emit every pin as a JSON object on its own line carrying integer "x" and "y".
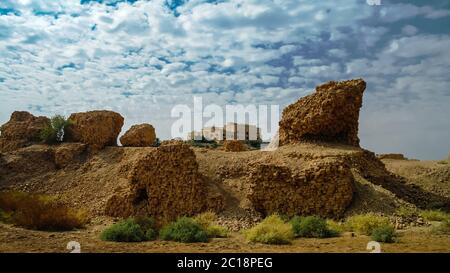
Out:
{"x": 14, "y": 239}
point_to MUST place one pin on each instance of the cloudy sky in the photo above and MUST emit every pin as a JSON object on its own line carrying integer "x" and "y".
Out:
{"x": 141, "y": 58}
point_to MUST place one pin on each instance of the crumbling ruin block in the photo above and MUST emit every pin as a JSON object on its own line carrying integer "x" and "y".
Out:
{"x": 325, "y": 189}
{"x": 21, "y": 130}
{"x": 166, "y": 184}
{"x": 330, "y": 114}
{"x": 95, "y": 128}
{"x": 142, "y": 135}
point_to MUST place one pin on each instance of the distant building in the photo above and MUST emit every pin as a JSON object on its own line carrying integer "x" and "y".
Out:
{"x": 231, "y": 131}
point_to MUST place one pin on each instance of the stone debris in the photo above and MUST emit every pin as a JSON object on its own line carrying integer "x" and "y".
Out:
{"x": 234, "y": 146}
{"x": 95, "y": 128}
{"x": 142, "y": 135}
{"x": 392, "y": 156}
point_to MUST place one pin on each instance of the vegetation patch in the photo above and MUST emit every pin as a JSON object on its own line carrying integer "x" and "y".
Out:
{"x": 184, "y": 230}
{"x": 39, "y": 212}
{"x": 366, "y": 223}
{"x": 443, "y": 228}
{"x": 435, "y": 215}
{"x": 208, "y": 221}
{"x": 312, "y": 227}
{"x": 272, "y": 230}
{"x": 135, "y": 229}
{"x": 384, "y": 234}
{"x": 55, "y": 130}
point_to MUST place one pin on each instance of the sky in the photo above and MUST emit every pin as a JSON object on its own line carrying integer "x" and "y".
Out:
{"x": 141, "y": 58}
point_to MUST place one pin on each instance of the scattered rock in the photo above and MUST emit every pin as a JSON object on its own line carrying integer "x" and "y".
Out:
{"x": 392, "y": 156}
{"x": 234, "y": 146}
{"x": 23, "y": 129}
{"x": 330, "y": 114}
{"x": 95, "y": 128}
{"x": 142, "y": 135}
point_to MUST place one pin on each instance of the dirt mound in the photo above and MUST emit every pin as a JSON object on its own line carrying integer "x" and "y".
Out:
{"x": 392, "y": 156}
{"x": 166, "y": 184}
{"x": 142, "y": 135}
{"x": 234, "y": 146}
{"x": 21, "y": 130}
{"x": 330, "y": 114}
{"x": 95, "y": 128}
{"x": 432, "y": 176}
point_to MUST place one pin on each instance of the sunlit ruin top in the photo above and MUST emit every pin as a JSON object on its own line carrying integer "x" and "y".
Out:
{"x": 330, "y": 114}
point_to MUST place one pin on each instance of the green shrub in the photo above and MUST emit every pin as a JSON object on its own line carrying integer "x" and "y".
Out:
{"x": 366, "y": 223}
{"x": 442, "y": 228}
{"x": 384, "y": 234}
{"x": 136, "y": 229}
{"x": 311, "y": 227}
{"x": 184, "y": 230}
{"x": 407, "y": 212}
{"x": 207, "y": 220}
{"x": 338, "y": 227}
{"x": 272, "y": 230}
{"x": 216, "y": 231}
{"x": 55, "y": 129}
{"x": 40, "y": 212}
{"x": 443, "y": 162}
{"x": 434, "y": 215}
{"x": 123, "y": 231}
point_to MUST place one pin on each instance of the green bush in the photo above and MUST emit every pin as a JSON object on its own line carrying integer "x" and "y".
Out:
{"x": 41, "y": 212}
{"x": 55, "y": 129}
{"x": 442, "y": 228}
{"x": 407, "y": 212}
{"x": 136, "y": 229}
{"x": 207, "y": 221}
{"x": 272, "y": 230}
{"x": 338, "y": 227}
{"x": 184, "y": 230}
{"x": 366, "y": 223}
{"x": 216, "y": 231}
{"x": 384, "y": 234}
{"x": 434, "y": 215}
{"x": 311, "y": 227}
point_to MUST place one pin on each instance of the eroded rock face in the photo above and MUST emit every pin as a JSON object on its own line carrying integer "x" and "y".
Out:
{"x": 234, "y": 146}
{"x": 325, "y": 189}
{"x": 21, "y": 130}
{"x": 95, "y": 128}
{"x": 142, "y": 135}
{"x": 166, "y": 184}
{"x": 66, "y": 154}
{"x": 330, "y": 114}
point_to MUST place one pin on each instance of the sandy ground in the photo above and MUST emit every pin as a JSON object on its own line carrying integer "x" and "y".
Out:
{"x": 14, "y": 239}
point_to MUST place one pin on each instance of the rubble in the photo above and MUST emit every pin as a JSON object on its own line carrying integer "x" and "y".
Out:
{"x": 95, "y": 128}
{"x": 142, "y": 135}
